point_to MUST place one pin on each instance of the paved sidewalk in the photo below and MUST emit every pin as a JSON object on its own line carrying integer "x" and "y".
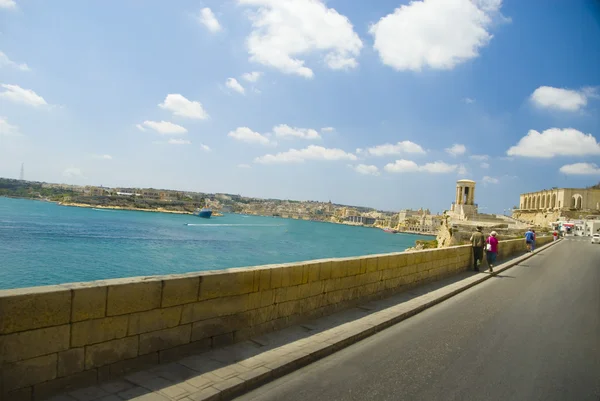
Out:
{"x": 228, "y": 372}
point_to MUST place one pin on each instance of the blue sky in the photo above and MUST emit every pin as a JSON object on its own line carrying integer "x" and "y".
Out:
{"x": 383, "y": 104}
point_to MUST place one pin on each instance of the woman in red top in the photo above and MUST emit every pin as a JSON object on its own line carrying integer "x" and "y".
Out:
{"x": 491, "y": 249}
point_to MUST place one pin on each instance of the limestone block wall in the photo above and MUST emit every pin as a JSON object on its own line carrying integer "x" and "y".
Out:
{"x": 58, "y": 337}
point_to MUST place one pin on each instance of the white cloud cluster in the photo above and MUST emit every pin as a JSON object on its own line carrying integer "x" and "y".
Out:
{"x": 311, "y": 152}
{"x": 555, "y": 142}
{"x": 73, "y": 172}
{"x": 102, "y": 157}
{"x": 438, "y": 34}
{"x": 490, "y": 180}
{"x": 285, "y": 131}
{"x": 208, "y": 19}
{"x": 327, "y": 129}
{"x": 394, "y": 149}
{"x": 174, "y": 141}
{"x": 456, "y": 150}
{"x": 252, "y": 76}
{"x": 6, "y": 62}
{"x": 285, "y": 30}
{"x": 16, "y": 94}
{"x": 409, "y": 166}
{"x": 8, "y": 4}
{"x": 245, "y": 134}
{"x": 366, "y": 169}
{"x": 162, "y": 127}
{"x": 7, "y": 129}
{"x": 182, "y": 107}
{"x": 233, "y": 84}
{"x": 580, "y": 169}
{"x": 481, "y": 158}
{"x": 561, "y": 99}
{"x": 205, "y": 148}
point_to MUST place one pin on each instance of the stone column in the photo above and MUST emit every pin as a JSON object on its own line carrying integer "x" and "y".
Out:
{"x": 457, "y": 194}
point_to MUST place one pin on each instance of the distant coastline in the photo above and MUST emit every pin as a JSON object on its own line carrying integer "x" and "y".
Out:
{"x": 88, "y": 206}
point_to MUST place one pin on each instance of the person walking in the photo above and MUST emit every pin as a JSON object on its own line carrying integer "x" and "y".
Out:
{"x": 491, "y": 250}
{"x": 554, "y": 235}
{"x": 533, "y": 243}
{"x": 529, "y": 240}
{"x": 477, "y": 242}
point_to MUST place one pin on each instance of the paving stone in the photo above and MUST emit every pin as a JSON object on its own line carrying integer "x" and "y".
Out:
{"x": 88, "y": 394}
{"x": 175, "y": 391}
{"x": 132, "y": 393}
{"x": 207, "y": 394}
{"x": 205, "y": 380}
{"x": 174, "y": 372}
{"x": 201, "y": 364}
{"x": 229, "y": 371}
{"x": 116, "y": 386}
{"x": 111, "y": 397}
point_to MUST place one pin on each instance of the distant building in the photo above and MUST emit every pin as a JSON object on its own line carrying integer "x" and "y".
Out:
{"x": 561, "y": 199}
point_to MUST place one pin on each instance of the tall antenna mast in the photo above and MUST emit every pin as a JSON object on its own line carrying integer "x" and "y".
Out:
{"x": 22, "y": 175}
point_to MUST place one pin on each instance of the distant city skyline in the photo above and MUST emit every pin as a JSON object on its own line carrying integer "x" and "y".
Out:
{"x": 376, "y": 104}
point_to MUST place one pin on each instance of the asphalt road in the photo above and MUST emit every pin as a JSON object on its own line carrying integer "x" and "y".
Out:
{"x": 531, "y": 333}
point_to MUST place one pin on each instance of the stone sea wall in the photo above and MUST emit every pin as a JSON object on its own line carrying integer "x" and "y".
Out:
{"x": 65, "y": 336}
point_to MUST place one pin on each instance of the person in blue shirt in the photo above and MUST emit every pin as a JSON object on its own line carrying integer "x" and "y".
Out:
{"x": 529, "y": 240}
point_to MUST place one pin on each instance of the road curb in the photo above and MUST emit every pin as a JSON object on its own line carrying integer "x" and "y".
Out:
{"x": 318, "y": 351}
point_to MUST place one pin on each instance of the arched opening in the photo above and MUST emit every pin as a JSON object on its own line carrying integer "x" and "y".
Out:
{"x": 543, "y": 201}
{"x": 578, "y": 203}
{"x": 553, "y": 202}
{"x": 548, "y": 201}
{"x": 573, "y": 202}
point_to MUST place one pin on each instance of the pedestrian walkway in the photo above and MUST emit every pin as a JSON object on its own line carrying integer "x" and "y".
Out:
{"x": 225, "y": 373}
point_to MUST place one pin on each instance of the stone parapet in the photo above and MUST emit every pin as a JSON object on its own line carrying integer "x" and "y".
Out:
{"x": 59, "y": 337}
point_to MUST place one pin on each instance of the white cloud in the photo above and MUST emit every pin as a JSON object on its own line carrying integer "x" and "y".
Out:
{"x": 561, "y": 99}
{"x": 439, "y": 34}
{"x": 6, "y": 62}
{"x": 7, "y": 129}
{"x": 285, "y": 30}
{"x": 312, "y": 152}
{"x": 73, "y": 172}
{"x": 468, "y": 100}
{"x": 285, "y": 131}
{"x": 409, "y": 166}
{"x": 366, "y": 169}
{"x": 462, "y": 170}
{"x": 484, "y": 165}
{"x": 180, "y": 106}
{"x": 244, "y": 166}
{"x": 252, "y": 76}
{"x": 232, "y": 83}
{"x": 245, "y": 134}
{"x": 480, "y": 158}
{"x": 102, "y": 157}
{"x": 398, "y": 148}
{"x": 581, "y": 169}
{"x": 16, "y": 94}
{"x": 179, "y": 142}
{"x": 205, "y": 148}
{"x": 163, "y": 127}
{"x": 8, "y": 4}
{"x": 327, "y": 129}
{"x": 456, "y": 150}
{"x": 555, "y": 142}
{"x": 208, "y": 19}
{"x": 490, "y": 180}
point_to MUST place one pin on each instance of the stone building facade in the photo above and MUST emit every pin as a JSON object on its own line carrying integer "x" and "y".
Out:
{"x": 561, "y": 199}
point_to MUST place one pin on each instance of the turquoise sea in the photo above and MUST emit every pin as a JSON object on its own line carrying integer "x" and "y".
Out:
{"x": 43, "y": 243}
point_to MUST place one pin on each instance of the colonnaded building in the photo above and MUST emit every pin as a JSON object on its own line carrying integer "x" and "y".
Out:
{"x": 561, "y": 199}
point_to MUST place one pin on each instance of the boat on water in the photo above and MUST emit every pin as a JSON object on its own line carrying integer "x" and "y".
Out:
{"x": 390, "y": 230}
{"x": 205, "y": 212}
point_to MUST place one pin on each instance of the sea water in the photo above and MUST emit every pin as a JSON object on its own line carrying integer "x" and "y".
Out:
{"x": 44, "y": 243}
